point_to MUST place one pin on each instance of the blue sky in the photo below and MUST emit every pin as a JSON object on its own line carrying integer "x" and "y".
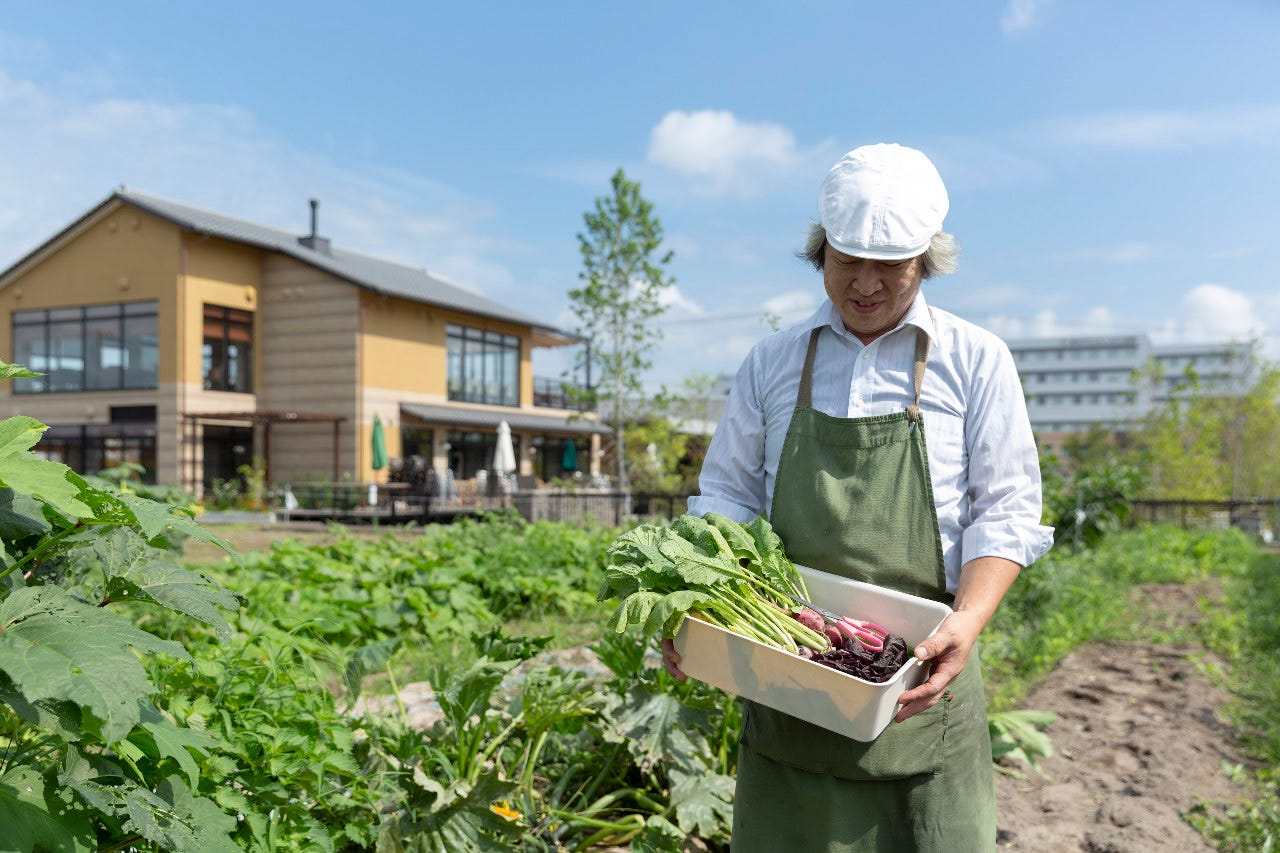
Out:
{"x": 1113, "y": 167}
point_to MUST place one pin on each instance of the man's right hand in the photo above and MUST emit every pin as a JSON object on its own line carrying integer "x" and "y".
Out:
{"x": 671, "y": 660}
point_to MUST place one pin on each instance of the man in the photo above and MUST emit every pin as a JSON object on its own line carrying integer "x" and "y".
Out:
{"x": 887, "y": 442}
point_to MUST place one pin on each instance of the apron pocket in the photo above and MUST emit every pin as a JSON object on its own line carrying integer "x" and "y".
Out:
{"x": 910, "y": 748}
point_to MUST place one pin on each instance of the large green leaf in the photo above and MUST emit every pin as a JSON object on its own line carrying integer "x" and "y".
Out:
{"x": 136, "y": 570}
{"x": 703, "y": 802}
{"x": 55, "y": 647}
{"x": 22, "y": 471}
{"x": 61, "y": 718}
{"x": 16, "y": 371}
{"x": 658, "y": 728}
{"x": 33, "y": 821}
{"x": 161, "y": 738}
{"x": 171, "y": 817}
{"x": 20, "y": 516}
{"x": 156, "y": 519}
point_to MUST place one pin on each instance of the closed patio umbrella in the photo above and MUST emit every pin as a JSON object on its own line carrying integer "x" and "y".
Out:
{"x": 569, "y": 461}
{"x": 504, "y": 454}
{"x": 379, "y": 442}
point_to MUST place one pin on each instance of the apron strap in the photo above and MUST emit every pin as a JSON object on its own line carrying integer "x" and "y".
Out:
{"x": 804, "y": 397}
{"x": 922, "y": 359}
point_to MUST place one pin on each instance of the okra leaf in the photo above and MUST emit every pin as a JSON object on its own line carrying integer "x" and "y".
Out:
{"x": 59, "y": 717}
{"x": 156, "y": 518}
{"x": 16, "y": 371}
{"x": 35, "y": 819}
{"x": 160, "y": 738}
{"x": 20, "y": 516}
{"x": 22, "y": 471}
{"x": 136, "y": 570}
{"x": 55, "y": 647}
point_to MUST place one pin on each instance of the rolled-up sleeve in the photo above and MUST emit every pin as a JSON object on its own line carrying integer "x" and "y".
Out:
{"x": 732, "y": 481}
{"x": 1004, "y": 468}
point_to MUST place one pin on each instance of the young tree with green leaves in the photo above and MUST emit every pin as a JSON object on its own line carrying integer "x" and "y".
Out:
{"x": 624, "y": 276}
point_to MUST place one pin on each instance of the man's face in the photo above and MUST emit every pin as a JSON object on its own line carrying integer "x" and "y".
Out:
{"x": 871, "y": 296}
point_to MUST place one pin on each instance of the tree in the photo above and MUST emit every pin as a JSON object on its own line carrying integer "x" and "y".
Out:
{"x": 1214, "y": 444}
{"x": 623, "y": 270}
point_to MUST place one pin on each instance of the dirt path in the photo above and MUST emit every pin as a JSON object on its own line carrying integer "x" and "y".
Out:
{"x": 1139, "y": 739}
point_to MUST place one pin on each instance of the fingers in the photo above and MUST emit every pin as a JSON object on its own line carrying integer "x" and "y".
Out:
{"x": 671, "y": 660}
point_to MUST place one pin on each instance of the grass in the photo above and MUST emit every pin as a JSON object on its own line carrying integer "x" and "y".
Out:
{"x": 1248, "y": 634}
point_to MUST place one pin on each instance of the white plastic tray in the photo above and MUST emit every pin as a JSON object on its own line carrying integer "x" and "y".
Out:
{"x": 820, "y": 695}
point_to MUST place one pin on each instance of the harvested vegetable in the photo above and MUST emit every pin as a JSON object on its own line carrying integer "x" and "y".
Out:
{"x": 856, "y": 659}
{"x": 732, "y": 575}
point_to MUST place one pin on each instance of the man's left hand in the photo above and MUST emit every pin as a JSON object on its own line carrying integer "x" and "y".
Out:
{"x": 947, "y": 650}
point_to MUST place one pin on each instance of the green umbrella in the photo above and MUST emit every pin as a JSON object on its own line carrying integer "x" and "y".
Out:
{"x": 569, "y": 461}
{"x": 379, "y": 445}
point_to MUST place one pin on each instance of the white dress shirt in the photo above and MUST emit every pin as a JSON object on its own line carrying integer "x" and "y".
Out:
{"x": 982, "y": 456}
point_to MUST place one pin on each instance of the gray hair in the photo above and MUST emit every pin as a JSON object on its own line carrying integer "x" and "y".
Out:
{"x": 940, "y": 258}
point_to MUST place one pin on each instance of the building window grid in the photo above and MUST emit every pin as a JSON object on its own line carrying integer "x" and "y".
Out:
{"x": 110, "y": 347}
{"x": 227, "y": 352}
{"x": 483, "y": 367}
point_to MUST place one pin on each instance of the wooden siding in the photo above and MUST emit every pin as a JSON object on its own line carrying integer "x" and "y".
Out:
{"x": 308, "y": 346}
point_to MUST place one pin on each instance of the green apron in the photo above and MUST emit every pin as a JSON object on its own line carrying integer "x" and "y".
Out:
{"x": 853, "y": 497}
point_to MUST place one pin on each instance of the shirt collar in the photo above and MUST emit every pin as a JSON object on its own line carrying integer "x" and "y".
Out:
{"x": 918, "y": 315}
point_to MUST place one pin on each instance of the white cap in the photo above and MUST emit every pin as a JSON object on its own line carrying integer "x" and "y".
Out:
{"x": 883, "y": 202}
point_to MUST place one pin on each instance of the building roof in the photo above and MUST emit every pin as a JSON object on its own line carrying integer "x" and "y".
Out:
{"x": 516, "y": 419}
{"x": 374, "y": 274}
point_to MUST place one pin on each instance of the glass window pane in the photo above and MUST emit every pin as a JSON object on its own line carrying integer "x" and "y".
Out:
{"x": 141, "y": 352}
{"x": 138, "y": 308}
{"x": 66, "y": 357}
{"x": 24, "y": 317}
{"x": 454, "y": 367}
{"x": 65, "y": 314}
{"x": 510, "y": 377}
{"x": 97, "y": 312}
{"x": 105, "y": 354}
{"x": 29, "y": 351}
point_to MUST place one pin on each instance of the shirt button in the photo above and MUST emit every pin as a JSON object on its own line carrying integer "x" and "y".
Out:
{"x": 866, "y": 354}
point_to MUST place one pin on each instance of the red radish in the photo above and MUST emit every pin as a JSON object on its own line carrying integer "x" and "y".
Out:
{"x": 810, "y": 619}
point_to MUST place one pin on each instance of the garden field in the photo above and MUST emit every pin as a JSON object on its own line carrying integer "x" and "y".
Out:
{"x": 234, "y": 728}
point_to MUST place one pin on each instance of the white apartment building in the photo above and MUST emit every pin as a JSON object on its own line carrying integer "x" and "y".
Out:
{"x": 1072, "y": 383}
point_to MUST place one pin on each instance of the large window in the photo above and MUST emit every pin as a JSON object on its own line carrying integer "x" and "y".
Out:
{"x": 484, "y": 367}
{"x": 91, "y": 448}
{"x": 91, "y": 348}
{"x": 227, "y": 355}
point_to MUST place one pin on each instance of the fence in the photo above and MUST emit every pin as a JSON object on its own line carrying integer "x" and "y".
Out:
{"x": 612, "y": 508}
{"x": 1260, "y": 516}
{"x": 397, "y": 503}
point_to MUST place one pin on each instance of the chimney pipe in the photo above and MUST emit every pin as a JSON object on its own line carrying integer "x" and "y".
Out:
{"x": 314, "y": 241}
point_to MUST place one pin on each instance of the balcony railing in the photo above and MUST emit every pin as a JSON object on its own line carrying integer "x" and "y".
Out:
{"x": 558, "y": 394}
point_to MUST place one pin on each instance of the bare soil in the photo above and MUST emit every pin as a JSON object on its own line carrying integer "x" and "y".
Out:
{"x": 247, "y": 537}
{"x": 1140, "y": 738}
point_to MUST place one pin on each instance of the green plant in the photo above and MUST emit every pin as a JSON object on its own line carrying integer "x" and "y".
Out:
{"x": 254, "y": 494}
{"x": 89, "y": 761}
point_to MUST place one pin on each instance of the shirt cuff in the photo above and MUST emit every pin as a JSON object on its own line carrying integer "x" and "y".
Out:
{"x": 701, "y": 505}
{"x": 1023, "y": 544}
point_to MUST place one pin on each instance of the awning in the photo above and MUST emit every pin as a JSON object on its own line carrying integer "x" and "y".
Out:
{"x": 517, "y": 419}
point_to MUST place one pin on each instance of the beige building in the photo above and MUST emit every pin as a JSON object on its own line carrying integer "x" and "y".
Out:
{"x": 193, "y": 343}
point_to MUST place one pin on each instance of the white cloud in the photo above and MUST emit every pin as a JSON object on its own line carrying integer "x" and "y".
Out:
{"x": 67, "y": 145}
{"x": 1021, "y": 15}
{"x": 723, "y": 154}
{"x": 1147, "y": 129}
{"x": 671, "y": 298}
{"x": 1214, "y": 312}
